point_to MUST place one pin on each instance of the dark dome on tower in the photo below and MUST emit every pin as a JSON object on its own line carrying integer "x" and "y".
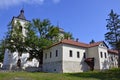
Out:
{"x": 21, "y": 15}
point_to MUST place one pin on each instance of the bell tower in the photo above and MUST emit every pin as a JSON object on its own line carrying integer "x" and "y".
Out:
{"x": 10, "y": 59}
{"x": 22, "y": 20}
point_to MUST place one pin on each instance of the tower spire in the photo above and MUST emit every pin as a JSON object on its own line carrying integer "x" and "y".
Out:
{"x": 21, "y": 15}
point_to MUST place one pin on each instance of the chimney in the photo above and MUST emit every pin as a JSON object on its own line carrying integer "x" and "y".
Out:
{"x": 77, "y": 39}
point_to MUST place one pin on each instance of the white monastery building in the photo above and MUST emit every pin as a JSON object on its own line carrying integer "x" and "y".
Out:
{"x": 71, "y": 56}
{"x": 66, "y": 56}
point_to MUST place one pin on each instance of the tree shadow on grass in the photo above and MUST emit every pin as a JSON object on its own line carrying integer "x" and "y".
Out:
{"x": 102, "y": 75}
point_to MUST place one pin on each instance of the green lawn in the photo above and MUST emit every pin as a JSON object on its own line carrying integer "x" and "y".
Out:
{"x": 113, "y": 74}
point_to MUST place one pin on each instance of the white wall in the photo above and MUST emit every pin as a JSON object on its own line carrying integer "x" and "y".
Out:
{"x": 1, "y": 64}
{"x": 74, "y": 64}
{"x": 53, "y": 64}
{"x": 100, "y": 63}
{"x": 23, "y": 24}
{"x": 113, "y": 60}
{"x": 93, "y": 52}
{"x": 104, "y": 62}
{"x": 6, "y": 60}
{"x": 53, "y": 56}
{"x": 75, "y": 49}
{"x": 64, "y": 63}
{"x": 10, "y": 59}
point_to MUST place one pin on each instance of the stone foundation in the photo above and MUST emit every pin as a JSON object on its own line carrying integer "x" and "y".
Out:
{"x": 73, "y": 67}
{"x": 53, "y": 67}
{"x": 65, "y": 67}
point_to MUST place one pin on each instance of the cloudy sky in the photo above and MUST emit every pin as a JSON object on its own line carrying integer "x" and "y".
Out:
{"x": 85, "y": 19}
{"x": 8, "y": 3}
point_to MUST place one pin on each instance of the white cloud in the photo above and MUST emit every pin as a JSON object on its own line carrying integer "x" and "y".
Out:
{"x": 33, "y": 1}
{"x": 8, "y": 3}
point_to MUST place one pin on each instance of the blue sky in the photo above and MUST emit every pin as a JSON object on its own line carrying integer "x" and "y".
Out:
{"x": 85, "y": 19}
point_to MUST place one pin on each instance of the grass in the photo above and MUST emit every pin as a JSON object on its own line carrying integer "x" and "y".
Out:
{"x": 113, "y": 74}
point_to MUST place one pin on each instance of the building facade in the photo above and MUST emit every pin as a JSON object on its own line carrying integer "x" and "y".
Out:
{"x": 69, "y": 56}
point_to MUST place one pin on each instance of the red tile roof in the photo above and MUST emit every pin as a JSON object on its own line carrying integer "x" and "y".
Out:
{"x": 80, "y": 44}
{"x": 112, "y": 51}
{"x": 95, "y": 44}
{"x": 75, "y": 43}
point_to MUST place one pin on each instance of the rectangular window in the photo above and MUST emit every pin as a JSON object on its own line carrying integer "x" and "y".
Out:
{"x": 45, "y": 55}
{"x": 105, "y": 55}
{"x": 50, "y": 54}
{"x": 101, "y": 54}
{"x": 78, "y": 54}
{"x": 84, "y": 55}
{"x": 56, "y": 53}
{"x": 70, "y": 54}
{"x": 111, "y": 58}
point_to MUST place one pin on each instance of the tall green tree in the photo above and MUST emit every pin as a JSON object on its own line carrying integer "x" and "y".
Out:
{"x": 53, "y": 34}
{"x": 40, "y": 35}
{"x": 14, "y": 40}
{"x": 2, "y": 50}
{"x": 45, "y": 29}
{"x": 113, "y": 34}
{"x": 68, "y": 35}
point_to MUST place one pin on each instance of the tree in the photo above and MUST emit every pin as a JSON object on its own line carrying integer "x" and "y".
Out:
{"x": 53, "y": 34}
{"x": 68, "y": 35}
{"x": 46, "y": 35}
{"x": 2, "y": 50}
{"x": 39, "y": 36}
{"x": 14, "y": 40}
{"x": 113, "y": 34}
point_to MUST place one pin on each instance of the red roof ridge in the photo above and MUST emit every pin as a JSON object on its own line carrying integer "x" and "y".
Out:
{"x": 76, "y": 43}
{"x": 95, "y": 44}
{"x": 113, "y": 51}
{"x": 81, "y": 44}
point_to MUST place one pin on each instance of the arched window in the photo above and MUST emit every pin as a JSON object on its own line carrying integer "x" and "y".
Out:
{"x": 19, "y": 63}
{"x": 20, "y": 28}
